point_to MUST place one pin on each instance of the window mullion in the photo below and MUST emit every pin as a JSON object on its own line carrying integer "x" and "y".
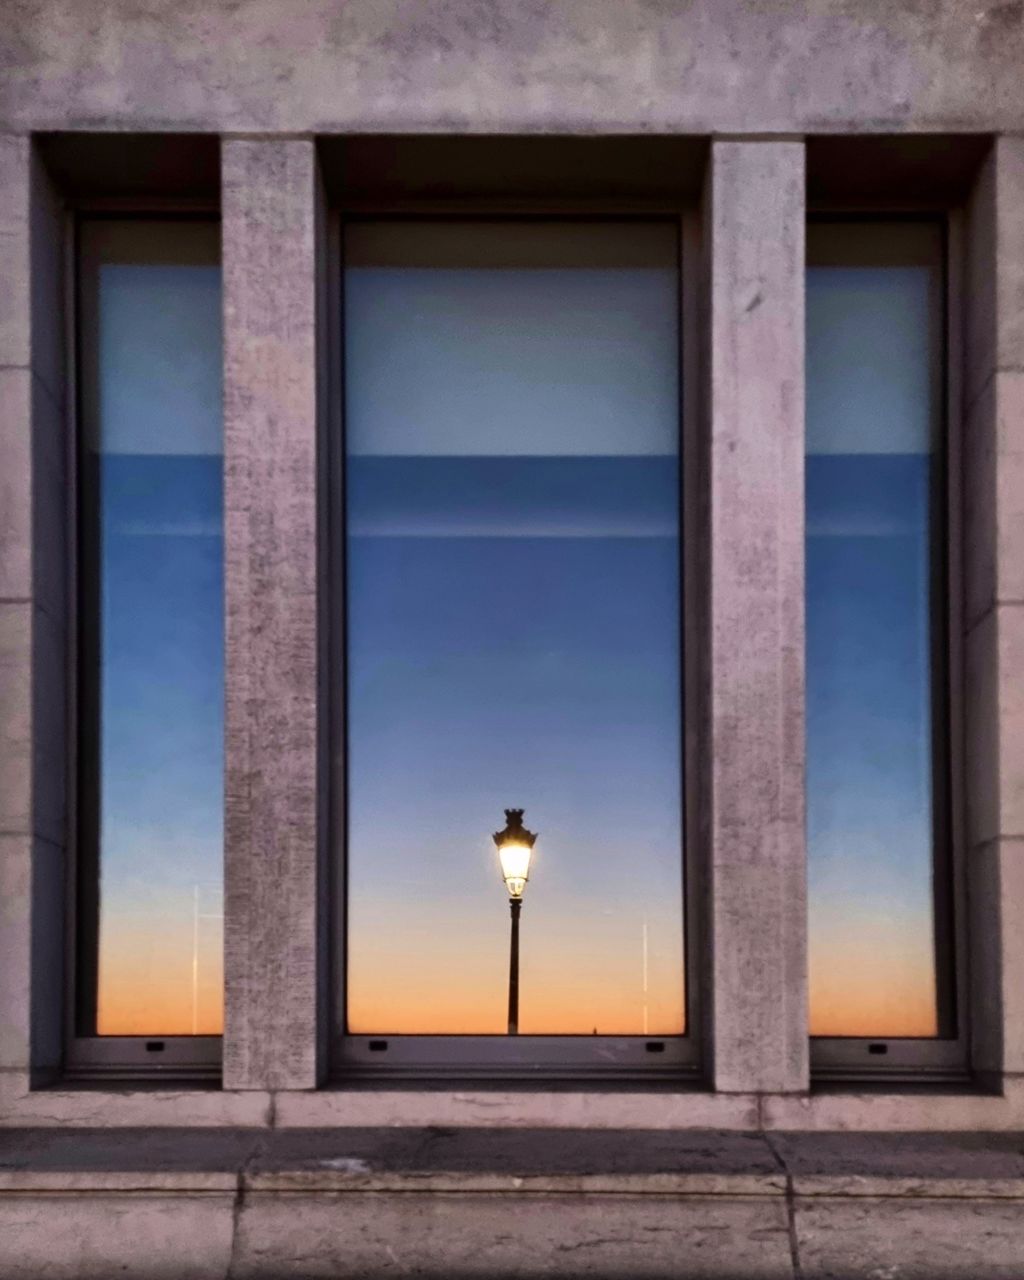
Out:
{"x": 758, "y": 914}
{"x": 272, "y": 974}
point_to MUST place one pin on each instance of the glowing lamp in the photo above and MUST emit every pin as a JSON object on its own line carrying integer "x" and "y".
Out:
{"x": 515, "y": 849}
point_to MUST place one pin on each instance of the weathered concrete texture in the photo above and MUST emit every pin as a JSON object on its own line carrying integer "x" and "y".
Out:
{"x": 15, "y": 331}
{"x": 365, "y": 1203}
{"x": 32, "y": 663}
{"x": 15, "y": 948}
{"x": 994, "y": 496}
{"x": 914, "y": 1163}
{"x": 954, "y": 1239}
{"x": 32, "y": 607}
{"x": 15, "y": 482}
{"x": 524, "y": 1108}
{"x": 994, "y": 330}
{"x": 702, "y": 1161}
{"x": 635, "y": 65}
{"x": 166, "y": 1236}
{"x": 758, "y": 922}
{"x": 15, "y": 713}
{"x": 163, "y": 1105}
{"x": 270, "y": 430}
{"x": 995, "y": 895}
{"x": 994, "y": 603}
{"x": 995, "y": 756}
{"x": 896, "y": 1111}
{"x": 157, "y": 1106}
{"x": 32, "y": 429}
{"x": 482, "y": 1236}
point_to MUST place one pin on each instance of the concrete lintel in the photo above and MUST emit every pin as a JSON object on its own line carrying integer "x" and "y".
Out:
{"x": 629, "y": 68}
{"x": 270, "y": 431}
{"x": 758, "y": 913}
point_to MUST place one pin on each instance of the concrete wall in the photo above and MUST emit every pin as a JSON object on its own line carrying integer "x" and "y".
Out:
{"x": 704, "y": 68}
{"x": 33, "y": 618}
{"x": 747, "y": 101}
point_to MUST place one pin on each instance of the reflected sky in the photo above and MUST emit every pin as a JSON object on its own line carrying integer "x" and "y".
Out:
{"x": 870, "y": 429}
{"x": 156, "y": 469}
{"x": 513, "y": 624}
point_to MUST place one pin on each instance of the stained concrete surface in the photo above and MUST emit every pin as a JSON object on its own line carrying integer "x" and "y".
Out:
{"x": 432, "y": 1202}
{"x": 534, "y": 65}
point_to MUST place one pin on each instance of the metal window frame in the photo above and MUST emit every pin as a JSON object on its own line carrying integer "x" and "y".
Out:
{"x": 944, "y": 1058}
{"x": 595, "y": 1060}
{"x": 89, "y": 1056}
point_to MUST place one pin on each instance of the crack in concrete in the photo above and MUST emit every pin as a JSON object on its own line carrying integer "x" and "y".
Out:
{"x": 794, "y": 1239}
{"x": 259, "y": 1148}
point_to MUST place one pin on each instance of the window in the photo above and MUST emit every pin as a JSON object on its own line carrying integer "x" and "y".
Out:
{"x": 150, "y": 678}
{"x": 513, "y": 608}
{"x": 880, "y": 840}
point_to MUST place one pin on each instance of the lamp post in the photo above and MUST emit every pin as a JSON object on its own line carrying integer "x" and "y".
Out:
{"x": 515, "y": 848}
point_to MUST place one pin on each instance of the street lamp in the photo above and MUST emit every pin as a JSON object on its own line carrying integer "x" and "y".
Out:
{"x": 515, "y": 848}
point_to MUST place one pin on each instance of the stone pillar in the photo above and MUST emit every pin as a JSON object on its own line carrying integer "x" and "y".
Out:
{"x": 272, "y": 908}
{"x": 754, "y": 233}
{"x": 994, "y": 608}
{"x": 33, "y": 618}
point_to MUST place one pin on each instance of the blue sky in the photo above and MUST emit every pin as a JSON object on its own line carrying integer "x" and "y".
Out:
{"x": 870, "y": 424}
{"x": 162, "y": 674}
{"x": 513, "y": 613}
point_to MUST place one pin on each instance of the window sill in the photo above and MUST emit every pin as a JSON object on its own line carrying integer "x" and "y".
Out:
{"x": 681, "y": 1109}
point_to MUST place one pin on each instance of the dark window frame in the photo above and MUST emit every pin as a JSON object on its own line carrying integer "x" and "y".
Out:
{"x": 499, "y": 1059}
{"x": 944, "y": 1058}
{"x": 88, "y": 1055}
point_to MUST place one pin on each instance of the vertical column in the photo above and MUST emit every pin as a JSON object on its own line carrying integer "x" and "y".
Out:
{"x": 32, "y": 618}
{"x": 755, "y": 218}
{"x": 994, "y": 607}
{"x": 270, "y": 219}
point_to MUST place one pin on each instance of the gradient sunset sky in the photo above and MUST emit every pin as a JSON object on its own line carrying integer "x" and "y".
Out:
{"x": 159, "y": 460}
{"x": 870, "y": 427}
{"x": 512, "y": 401}
{"x": 513, "y": 620}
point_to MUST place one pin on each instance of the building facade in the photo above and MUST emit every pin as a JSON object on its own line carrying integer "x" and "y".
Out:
{"x": 346, "y": 353}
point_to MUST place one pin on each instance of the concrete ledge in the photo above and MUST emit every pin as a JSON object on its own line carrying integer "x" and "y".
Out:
{"x": 164, "y": 1105}
{"x": 257, "y": 1203}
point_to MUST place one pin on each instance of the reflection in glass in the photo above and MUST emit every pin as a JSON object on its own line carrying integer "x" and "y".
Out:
{"x": 512, "y": 504}
{"x": 153, "y": 634}
{"x": 873, "y": 355}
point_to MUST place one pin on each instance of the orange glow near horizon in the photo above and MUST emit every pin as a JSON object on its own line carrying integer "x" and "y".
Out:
{"x": 146, "y": 982}
{"x": 871, "y": 977}
{"x": 445, "y": 971}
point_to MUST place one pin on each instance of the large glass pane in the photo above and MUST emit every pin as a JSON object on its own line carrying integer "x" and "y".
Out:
{"x": 873, "y": 478}
{"x": 152, "y": 756}
{"x": 512, "y": 426}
